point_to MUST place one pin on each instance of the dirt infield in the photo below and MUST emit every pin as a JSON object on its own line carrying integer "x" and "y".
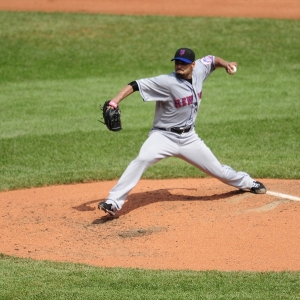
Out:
{"x": 196, "y": 224}
{"x": 166, "y": 224}
{"x": 281, "y": 9}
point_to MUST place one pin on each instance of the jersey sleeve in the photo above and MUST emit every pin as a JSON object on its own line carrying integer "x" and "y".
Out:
{"x": 155, "y": 88}
{"x": 206, "y": 65}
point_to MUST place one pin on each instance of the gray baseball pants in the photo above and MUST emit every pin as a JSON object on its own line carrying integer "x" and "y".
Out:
{"x": 187, "y": 146}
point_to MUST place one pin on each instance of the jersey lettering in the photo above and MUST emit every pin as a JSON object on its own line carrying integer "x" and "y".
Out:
{"x": 177, "y": 103}
{"x": 190, "y": 100}
{"x": 183, "y": 101}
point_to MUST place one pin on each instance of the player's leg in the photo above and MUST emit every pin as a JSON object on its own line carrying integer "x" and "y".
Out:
{"x": 155, "y": 148}
{"x": 199, "y": 155}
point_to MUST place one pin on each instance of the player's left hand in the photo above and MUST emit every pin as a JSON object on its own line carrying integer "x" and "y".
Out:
{"x": 111, "y": 116}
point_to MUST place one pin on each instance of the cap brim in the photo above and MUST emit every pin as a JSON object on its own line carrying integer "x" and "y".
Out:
{"x": 182, "y": 59}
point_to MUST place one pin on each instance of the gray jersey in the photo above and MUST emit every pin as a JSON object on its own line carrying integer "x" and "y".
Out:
{"x": 177, "y": 101}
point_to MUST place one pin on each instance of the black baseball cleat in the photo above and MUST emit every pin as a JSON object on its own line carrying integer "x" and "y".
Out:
{"x": 107, "y": 208}
{"x": 258, "y": 188}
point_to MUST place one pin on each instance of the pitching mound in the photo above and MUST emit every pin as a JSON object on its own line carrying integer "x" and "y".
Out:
{"x": 197, "y": 224}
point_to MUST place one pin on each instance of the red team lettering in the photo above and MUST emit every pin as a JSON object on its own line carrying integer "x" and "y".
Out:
{"x": 185, "y": 101}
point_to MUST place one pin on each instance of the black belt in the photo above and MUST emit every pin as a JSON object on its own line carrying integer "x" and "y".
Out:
{"x": 178, "y": 130}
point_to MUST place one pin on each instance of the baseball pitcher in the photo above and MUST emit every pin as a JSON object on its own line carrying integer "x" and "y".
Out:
{"x": 178, "y": 97}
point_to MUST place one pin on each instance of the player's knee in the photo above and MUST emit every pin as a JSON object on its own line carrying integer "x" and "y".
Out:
{"x": 145, "y": 160}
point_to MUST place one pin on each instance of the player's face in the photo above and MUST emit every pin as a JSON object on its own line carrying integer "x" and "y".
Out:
{"x": 183, "y": 69}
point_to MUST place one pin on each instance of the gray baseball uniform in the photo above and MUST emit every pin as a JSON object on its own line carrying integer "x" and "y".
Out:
{"x": 173, "y": 134}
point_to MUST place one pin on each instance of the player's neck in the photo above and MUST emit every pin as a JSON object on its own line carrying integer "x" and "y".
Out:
{"x": 190, "y": 80}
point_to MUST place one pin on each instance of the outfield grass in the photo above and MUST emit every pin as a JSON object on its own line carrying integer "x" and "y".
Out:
{"x": 55, "y": 70}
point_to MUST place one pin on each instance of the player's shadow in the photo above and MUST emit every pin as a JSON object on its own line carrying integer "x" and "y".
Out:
{"x": 138, "y": 200}
{"x": 86, "y": 206}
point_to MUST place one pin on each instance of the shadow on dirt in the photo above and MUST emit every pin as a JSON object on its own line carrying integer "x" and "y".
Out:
{"x": 138, "y": 200}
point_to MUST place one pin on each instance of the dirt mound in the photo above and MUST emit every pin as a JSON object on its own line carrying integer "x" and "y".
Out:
{"x": 196, "y": 224}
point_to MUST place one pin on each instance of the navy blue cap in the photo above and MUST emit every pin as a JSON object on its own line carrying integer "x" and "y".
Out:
{"x": 184, "y": 54}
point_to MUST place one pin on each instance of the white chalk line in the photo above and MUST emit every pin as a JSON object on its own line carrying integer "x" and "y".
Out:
{"x": 285, "y": 196}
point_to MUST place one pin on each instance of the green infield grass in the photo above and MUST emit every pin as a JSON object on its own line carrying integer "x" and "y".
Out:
{"x": 29, "y": 279}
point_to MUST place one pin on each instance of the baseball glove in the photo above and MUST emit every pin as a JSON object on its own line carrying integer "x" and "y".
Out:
{"x": 111, "y": 116}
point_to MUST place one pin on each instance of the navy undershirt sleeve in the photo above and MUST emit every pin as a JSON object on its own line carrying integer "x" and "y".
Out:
{"x": 134, "y": 85}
